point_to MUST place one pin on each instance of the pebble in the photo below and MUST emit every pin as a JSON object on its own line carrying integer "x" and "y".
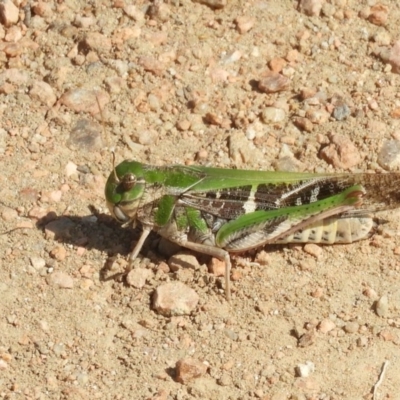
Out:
{"x": 214, "y": 4}
{"x": 307, "y": 339}
{"x": 83, "y": 22}
{"x": 341, "y": 111}
{"x": 362, "y": 341}
{"x": 137, "y": 277}
{"x": 9, "y": 13}
{"x": 241, "y": 150}
{"x": 341, "y": 153}
{"x": 114, "y": 84}
{"x": 378, "y": 14}
{"x": 174, "y": 298}
{"x": 277, "y": 64}
{"x": 382, "y": 306}
{"x": 318, "y": 117}
{"x": 85, "y": 100}
{"x": 216, "y": 267}
{"x": 188, "y": 369}
{"x": 273, "y": 115}
{"x": 303, "y": 123}
{"x": 60, "y": 279}
{"x": 14, "y": 34}
{"x": 8, "y": 214}
{"x": 133, "y": 12}
{"x": 305, "y": 370}
{"x": 389, "y": 155}
{"x": 351, "y": 327}
{"x": 311, "y": 7}
{"x": 151, "y": 64}
{"x": 95, "y": 41}
{"x": 183, "y": 260}
{"x": 244, "y": 24}
{"x": 59, "y": 253}
{"x": 314, "y": 250}
{"x": 159, "y": 11}
{"x": 273, "y": 82}
{"x": 71, "y": 169}
{"x": 43, "y": 92}
{"x": 37, "y": 262}
{"x": 394, "y": 57}
{"x": 326, "y": 325}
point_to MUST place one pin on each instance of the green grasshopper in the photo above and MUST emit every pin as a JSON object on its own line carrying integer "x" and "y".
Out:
{"x": 218, "y": 211}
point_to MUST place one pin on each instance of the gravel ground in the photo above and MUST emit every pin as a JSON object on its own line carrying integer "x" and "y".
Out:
{"x": 306, "y": 85}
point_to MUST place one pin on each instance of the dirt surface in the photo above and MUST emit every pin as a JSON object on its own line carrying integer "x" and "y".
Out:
{"x": 182, "y": 82}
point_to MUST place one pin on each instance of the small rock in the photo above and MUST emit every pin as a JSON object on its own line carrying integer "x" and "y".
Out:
{"x": 151, "y": 64}
{"x": 147, "y": 136}
{"x": 288, "y": 164}
{"x": 188, "y": 369}
{"x": 175, "y": 298}
{"x": 318, "y": 117}
{"x": 378, "y": 14}
{"x": 95, "y": 41}
{"x": 8, "y": 214}
{"x": 341, "y": 153}
{"x": 183, "y": 260}
{"x": 71, "y": 169}
{"x": 3, "y": 365}
{"x": 273, "y": 82}
{"x": 37, "y": 262}
{"x": 394, "y": 57}
{"x": 83, "y": 22}
{"x": 277, "y": 64}
{"x": 85, "y": 100}
{"x": 341, "y": 112}
{"x": 214, "y": 4}
{"x": 241, "y": 150}
{"x": 307, "y": 339}
{"x": 9, "y": 13}
{"x": 43, "y": 92}
{"x": 60, "y": 279}
{"x": 42, "y": 9}
{"x": 273, "y": 115}
{"x": 159, "y": 11}
{"x": 382, "y": 306}
{"x": 216, "y": 267}
{"x": 351, "y": 327}
{"x": 14, "y": 34}
{"x": 133, "y": 12}
{"x": 244, "y": 24}
{"x": 58, "y": 253}
{"x": 389, "y": 155}
{"x": 362, "y": 341}
{"x": 313, "y": 249}
{"x": 183, "y": 124}
{"x": 326, "y": 325}
{"x": 137, "y": 277}
{"x": 303, "y": 123}
{"x": 114, "y": 84}
{"x": 311, "y": 7}
{"x": 304, "y": 370}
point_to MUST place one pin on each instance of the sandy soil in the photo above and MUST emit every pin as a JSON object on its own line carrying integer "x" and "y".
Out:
{"x": 179, "y": 82}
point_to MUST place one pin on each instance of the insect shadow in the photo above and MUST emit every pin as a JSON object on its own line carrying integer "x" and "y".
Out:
{"x": 93, "y": 231}
{"x": 101, "y": 232}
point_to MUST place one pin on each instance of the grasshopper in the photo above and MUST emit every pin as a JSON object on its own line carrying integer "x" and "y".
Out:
{"x": 219, "y": 211}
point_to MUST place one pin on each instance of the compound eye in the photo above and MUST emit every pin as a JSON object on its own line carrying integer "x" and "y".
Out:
{"x": 128, "y": 181}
